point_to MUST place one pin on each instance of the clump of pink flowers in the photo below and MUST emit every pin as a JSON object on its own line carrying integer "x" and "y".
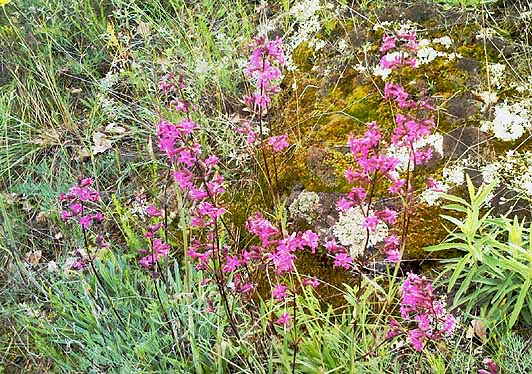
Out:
{"x": 399, "y": 50}
{"x": 377, "y": 164}
{"x": 78, "y": 204}
{"x": 264, "y": 69}
{"x": 158, "y": 249}
{"x": 424, "y": 317}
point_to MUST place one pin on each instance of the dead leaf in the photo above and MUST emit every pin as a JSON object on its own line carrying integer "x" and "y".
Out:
{"x": 113, "y": 128}
{"x": 83, "y": 154}
{"x": 101, "y": 143}
{"x": 48, "y": 137}
{"x": 34, "y": 257}
{"x": 42, "y": 217}
{"x": 144, "y": 29}
{"x": 477, "y": 329}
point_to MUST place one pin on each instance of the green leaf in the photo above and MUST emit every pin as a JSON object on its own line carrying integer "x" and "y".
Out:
{"x": 456, "y": 221}
{"x": 446, "y": 246}
{"x": 458, "y": 271}
{"x": 520, "y": 301}
{"x": 456, "y": 199}
{"x": 456, "y": 207}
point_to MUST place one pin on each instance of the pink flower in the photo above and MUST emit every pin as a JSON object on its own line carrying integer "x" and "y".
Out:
{"x": 261, "y": 100}
{"x": 423, "y": 322}
{"x": 284, "y": 320}
{"x": 282, "y": 259}
{"x": 449, "y": 324}
{"x": 183, "y": 178}
{"x": 186, "y": 126}
{"x": 387, "y": 215}
{"x": 332, "y": 247}
{"x": 393, "y": 255}
{"x": 394, "y": 329}
{"x": 212, "y": 161}
{"x": 416, "y": 338}
{"x": 434, "y": 185}
{"x": 314, "y": 282}
{"x": 78, "y": 264}
{"x": 197, "y": 194}
{"x": 492, "y": 367}
{"x": 76, "y": 208}
{"x": 357, "y": 194}
{"x": 185, "y": 157}
{"x": 232, "y": 263}
{"x": 397, "y": 186}
{"x": 310, "y": 239}
{"x": 344, "y": 205}
{"x": 278, "y": 143}
{"x": 388, "y": 42}
{"x": 370, "y": 223}
{"x": 65, "y": 215}
{"x": 247, "y": 130}
{"x": 159, "y": 251}
{"x": 261, "y": 227}
{"x": 279, "y": 292}
{"x": 422, "y": 156}
{"x": 152, "y": 211}
{"x": 343, "y": 260}
{"x": 85, "y": 221}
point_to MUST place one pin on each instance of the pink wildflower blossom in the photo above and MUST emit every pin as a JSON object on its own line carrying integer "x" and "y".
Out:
{"x": 284, "y": 320}
{"x": 278, "y": 143}
{"x": 313, "y": 282}
{"x": 152, "y": 211}
{"x": 370, "y": 223}
{"x": 343, "y": 260}
{"x": 279, "y": 292}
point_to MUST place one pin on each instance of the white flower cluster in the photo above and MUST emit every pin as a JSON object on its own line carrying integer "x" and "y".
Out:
{"x": 427, "y": 54}
{"x": 496, "y": 74}
{"x": 306, "y": 17}
{"x": 518, "y": 168}
{"x": 454, "y": 174}
{"x": 305, "y": 206}
{"x": 350, "y": 232}
{"x": 524, "y": 181}
{"x": 510, "y": 120}
{"x": 432, "y": 196}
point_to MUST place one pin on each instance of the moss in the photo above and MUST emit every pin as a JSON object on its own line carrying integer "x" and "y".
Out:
{"x": 303, "y": 57}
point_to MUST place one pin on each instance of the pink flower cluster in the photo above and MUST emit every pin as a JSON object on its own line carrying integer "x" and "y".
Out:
{"x": 399, "y": 50}
{"x": 374, "y": 163}
{"x": 420, "y": 308}
{"x": 374, "y": 166}
{"x": 158, "y": 249}
{"x": 195, "y": 174}
{"x": 491, "y": 366}
{"x": 276, "y": 249}
{"x": 264, "y": 68}
{"x": 340, "y": 254}
{"x": 78, "y": 204}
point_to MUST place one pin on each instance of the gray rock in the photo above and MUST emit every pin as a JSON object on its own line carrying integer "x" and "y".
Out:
{"x": 463, "y": 142}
